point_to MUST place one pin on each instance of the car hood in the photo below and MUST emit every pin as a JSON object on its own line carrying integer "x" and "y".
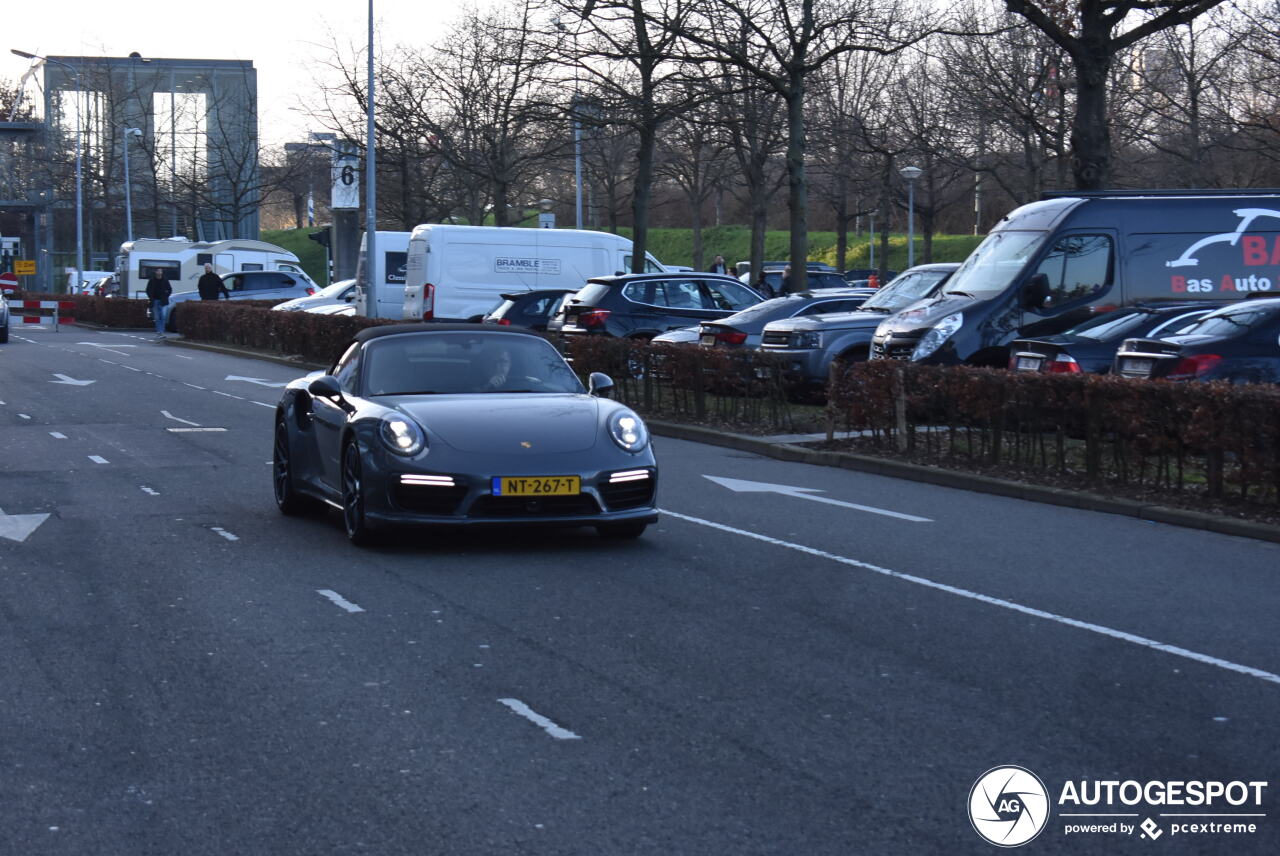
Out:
{"x": 832, "y": 321}
{"x": 505, "y": 422}
{"x": 925, "y": 313}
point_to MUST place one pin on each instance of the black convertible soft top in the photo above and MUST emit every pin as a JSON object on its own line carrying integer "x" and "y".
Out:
{"x": 421, "y": 327}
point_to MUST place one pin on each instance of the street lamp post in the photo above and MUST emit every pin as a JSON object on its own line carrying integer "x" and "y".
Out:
{"x": 128, "y": 186}
{"x": 79, "y": 163}
{"x": 371, "y": 193}
{"x": 911, "y": 173}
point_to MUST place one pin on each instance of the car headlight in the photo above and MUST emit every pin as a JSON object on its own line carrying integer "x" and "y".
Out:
{"x": 806, "y": 340}
{"x": 628, "y": 431}
{"x": 938, "y": 334}
{"x": 402, "y": 435}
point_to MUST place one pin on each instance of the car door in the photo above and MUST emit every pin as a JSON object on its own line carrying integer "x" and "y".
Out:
{"x": 1076, "y": 272}
{"x": 329, "y": 419}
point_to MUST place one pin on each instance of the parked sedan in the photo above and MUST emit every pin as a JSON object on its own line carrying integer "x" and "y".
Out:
{"x": 816, "y": 278}
{"x": 1092, "y": 346}
{"x": 252, "y": 285}
{"x": 4, "y": 320}
{"x": 532, "y": 309}
{"x": 341, "y": 293}
{"x": 1239, "y": 342}
{"x": 461, "y": 424}
{"x": 644, "y": 305}
{"x": 743, "y": 329}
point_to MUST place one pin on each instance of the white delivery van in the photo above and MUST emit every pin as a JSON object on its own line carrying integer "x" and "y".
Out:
{"x": 459, "y": 273}
{"x": 183, "y": 261}
{"x": 388, "y": 276}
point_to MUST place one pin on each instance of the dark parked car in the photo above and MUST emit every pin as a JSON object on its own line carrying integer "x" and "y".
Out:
{"x": 1091, "y": 346}
{"x": 814, "y": 342}
{"x": 817, "y": 278}
{"x": 461, "y": 424}
{"x": 532, "y": 309}
{"x": 1239, "y": 343}
{"x": 862, "y": 274}
{"x": 644, "y": 305}
{"x": 743, "y": 329}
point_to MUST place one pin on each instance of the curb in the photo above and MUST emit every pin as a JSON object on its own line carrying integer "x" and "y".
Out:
{"x": 970, "y": 481}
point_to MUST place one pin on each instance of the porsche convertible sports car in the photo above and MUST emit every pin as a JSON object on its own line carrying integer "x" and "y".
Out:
{"x": 461, "y": 424}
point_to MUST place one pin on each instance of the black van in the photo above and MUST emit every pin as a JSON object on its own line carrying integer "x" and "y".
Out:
{"x": 1052, "y": 264}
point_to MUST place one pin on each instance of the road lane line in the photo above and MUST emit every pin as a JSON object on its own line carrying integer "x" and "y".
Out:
{"x": 1102, "y": 630}
{"x": 193, "y": 386}
{"x": 224, "y": 533}
{"x": 23, "y": 416}
{"x": 339, "y": 600}
{"x": 146, "y": 489}
{"x": 57, "y": 435}
{"x": 228, "y": 395}
{"x": 539, "y": 720}
{"x": 98, "y": 459}
{"x": 194, "y": 430}
{"x": 263, "y": 404}
{"x": 169, "y": 415}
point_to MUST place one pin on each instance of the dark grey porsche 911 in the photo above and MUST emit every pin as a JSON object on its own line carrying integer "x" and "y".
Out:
{"x": 459, "y": 424}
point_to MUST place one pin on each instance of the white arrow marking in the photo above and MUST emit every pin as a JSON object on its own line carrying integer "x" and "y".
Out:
{"x": 16, "y": 527}
{"x": 258, "y": 380}
{"x": 742, "y": 486}
{"x": 539, "y": 720}
{"x": 70, "y": 380}
{"x": 339, "y": 600}
{"x": 167, "y": 415}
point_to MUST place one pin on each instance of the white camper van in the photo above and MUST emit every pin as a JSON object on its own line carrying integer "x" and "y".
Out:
{"x": 459, "y": 273}
{"x": 183, "y": 261}
{"x": 388, "y": 275}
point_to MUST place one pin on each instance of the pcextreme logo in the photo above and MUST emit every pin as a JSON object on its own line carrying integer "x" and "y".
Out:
{"x": 1008, "y": 806}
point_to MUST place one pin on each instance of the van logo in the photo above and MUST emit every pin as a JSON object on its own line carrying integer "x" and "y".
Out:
{"x": 511, "y": 264}
{"x": 1246, "y": 215}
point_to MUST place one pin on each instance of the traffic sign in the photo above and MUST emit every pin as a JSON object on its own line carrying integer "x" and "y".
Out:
{"x": 24, "y": 267}
{"x": 8, "y": 282}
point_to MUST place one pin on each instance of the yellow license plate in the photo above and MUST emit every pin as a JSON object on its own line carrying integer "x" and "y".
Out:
{"x": 536, "y": 485}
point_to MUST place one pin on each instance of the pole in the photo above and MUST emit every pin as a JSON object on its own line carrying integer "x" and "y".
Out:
{"x": 911, "y": 223}
{"x": 128, "y": 195}
{"x": 173, "y": 148}
{"x": 79, "y": 189}
{"x": 872, "y": 263}
{"x": 371, "y": 193}
{"x": 577, "y": 168}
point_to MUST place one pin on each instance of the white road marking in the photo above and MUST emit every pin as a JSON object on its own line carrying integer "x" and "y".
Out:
{"x": 23, "y": 416}
{"x": 193, "y": 386}
{"x": 263, "y": 404}
{"x": 166, "y": 414}
{"x": 98, "y": 459}
{"x": 258, "y": 380}
{"x": 1206, "y": 659}
{"x": 146, "y": 489}
{"x": 16, "y": 527}
{"x": 224, "y": 533}
{"x": 339, "y": 600}
{"x": 109, "y": 347}
{"x": 194, "y": 430}
{"x": 228, "y": 395}
{"x": 130, "y": 368}
{"x": 742, "y": 486}
{"x": 539, "y": 720}
{"x": 57, "y": 435}
{"x": 183, "y": 357}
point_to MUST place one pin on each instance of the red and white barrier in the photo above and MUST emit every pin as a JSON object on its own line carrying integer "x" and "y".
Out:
{"x": 54, "y": 312}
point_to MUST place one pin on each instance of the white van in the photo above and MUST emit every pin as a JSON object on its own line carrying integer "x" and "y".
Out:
{"x": 388, "y": 275}
{"x": 183, "y": 261}
{"x": 459, "y": 273}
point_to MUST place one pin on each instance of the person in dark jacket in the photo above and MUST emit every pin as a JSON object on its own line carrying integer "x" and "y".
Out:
{"x": 718, "y": 266}
{"x": 158, "y": 291}
{"x": 211, "y": 285}
{"x": 784, "y": 287}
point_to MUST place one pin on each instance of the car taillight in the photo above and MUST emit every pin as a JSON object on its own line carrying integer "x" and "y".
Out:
{"x": 310, "y": 291}
{"x": 1195, "y": 366}
{"x": 428, "y": 301}
{"x": 593, "y": 318}
{"x": 504, "y": 322}
{"x": 731, "y": 337}
{"x": 1063, "y": 364}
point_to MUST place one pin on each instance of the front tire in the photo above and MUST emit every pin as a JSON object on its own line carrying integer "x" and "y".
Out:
{"x": 359, "y": 532}
{"x": 622, "y": 531}
{"x": 288, "y": 499}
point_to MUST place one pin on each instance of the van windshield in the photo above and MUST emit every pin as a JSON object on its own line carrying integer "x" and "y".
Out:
{"x": 993, "y": 265}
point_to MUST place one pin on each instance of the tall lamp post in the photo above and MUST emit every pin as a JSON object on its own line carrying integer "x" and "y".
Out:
{"x": 128, "y": 185}
{"x": 371, "y": 193}
{"x": 79, "y": 163}
{"x": 911, "y": 173}
{"x": 575, "y": 106}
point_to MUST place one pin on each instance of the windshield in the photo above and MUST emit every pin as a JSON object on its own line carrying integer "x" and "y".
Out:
{"x": 906, "y": 289}
{"x": 336, "y": 289}
{"x": 453, "y": 363}
{"x": 994, "y": 264}
{"x": 776, "y": 306}
{"x": 1229, "y": 321}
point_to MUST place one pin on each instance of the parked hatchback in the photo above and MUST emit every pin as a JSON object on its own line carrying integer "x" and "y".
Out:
{"x": 532, "y": 309}
{"x": 1239, "y": 343}
{"x": 743, "y": 329}
{"x": 644, "y": 305}
{"x": 1092, "y": 346}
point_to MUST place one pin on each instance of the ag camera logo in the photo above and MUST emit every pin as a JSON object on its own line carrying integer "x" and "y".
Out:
{"x": 1008, "y": 806}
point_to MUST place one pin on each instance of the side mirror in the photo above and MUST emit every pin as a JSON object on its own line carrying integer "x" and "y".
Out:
{"x": 599, "y": 383}
{"x": 325, "y": 386}
{"x": 1036, "y": 292}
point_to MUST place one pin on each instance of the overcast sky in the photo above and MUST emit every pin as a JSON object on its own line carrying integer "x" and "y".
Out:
{"x": 283, "y": 39}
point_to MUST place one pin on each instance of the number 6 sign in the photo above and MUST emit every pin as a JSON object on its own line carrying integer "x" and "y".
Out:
{"x": 346, "y": 179}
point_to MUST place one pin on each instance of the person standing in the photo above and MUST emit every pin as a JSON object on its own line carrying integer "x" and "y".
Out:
{"x": 784, "y": 287}
{"x": 718, "y": 266}
{"x": 211, "y": 285}
{"x": 158, "y": 291}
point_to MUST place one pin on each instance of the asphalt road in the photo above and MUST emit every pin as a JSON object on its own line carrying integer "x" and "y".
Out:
{"x": 816, "y": 671}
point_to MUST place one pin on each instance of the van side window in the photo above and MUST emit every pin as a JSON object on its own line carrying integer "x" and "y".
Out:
{"x": 1078, "y": 267}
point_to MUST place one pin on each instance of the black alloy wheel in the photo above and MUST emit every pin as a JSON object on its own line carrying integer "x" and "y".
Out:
{"x": 358, "y": 529}
{"x": 288, "y": 499}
